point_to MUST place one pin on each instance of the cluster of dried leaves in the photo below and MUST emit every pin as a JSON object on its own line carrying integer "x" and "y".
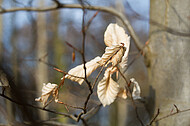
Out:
{"x": 115, "y": 56}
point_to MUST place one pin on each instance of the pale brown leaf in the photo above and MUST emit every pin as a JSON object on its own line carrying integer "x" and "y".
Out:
{"x": 122, "y": 93}
{"x": 107, "y": 89}
{"x": 123, "y": 62}
{"x": 113, "y": 54}
{"x": 78, "y": 71}
{"x": 136, "y": 89}
{"x": 114, "y": 35}
{"x": 47, "y": 90}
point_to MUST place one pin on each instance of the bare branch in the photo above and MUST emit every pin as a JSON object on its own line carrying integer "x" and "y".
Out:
{"x": 134, "y": 105}
{"x": 158, "y": 112}
{"x": 37, "y": 107}
{"x": 154, "y": 120}
{"x": 72, "y": 47}
{"x": 161, "y": 26}
{"x": 109, "y": 10}
{"x": 61, "y": 71}
{"x": 172, "y": 114}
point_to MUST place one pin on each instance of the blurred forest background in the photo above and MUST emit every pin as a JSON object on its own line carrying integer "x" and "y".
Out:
{"x": 33, "y": 43}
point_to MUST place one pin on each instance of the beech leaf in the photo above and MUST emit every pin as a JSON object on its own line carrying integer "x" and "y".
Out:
{"x": 113, "y": 54}
{"x": 122, "y": 93}
{"x": 107, "y": 89}
{"x": 136, "y": 89}
{"x": 115, "y": 35}
{"x": 78, "y": 71}
{"x": 47, "y": 90}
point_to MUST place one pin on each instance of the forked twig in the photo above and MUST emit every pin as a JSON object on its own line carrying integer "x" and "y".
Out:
{"x": 134, "y": 105}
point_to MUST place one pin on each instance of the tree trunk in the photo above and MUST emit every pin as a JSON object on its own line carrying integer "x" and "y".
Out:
{"x": 169, "y": 61}
{"x": 42, "y": 69}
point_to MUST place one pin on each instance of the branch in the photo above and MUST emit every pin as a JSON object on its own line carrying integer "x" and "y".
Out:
{"x": 37, "y": 107}
{"x": 161, "y": 26}
{"x": 134, "y": 105}
{"x": 109, "y": 10}
{"x": 172, "y": 114}
{"x": 158, "y": 112}
{"x": 154, "y": 120}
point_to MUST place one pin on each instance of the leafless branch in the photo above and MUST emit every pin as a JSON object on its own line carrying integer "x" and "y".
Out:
{"x": 134, "y": 105}
{"x": 90, "y": 21}
{"x": 137, "y": 56}
{"x": 76, "y": 107}
{"x": 73, "y": 47}
{"x": 161, "y": 26}
{"x": 172, "y": 114}
{"x": 37, "y": 107}
{"x": 61, "y": 71}
{"x": 109, "y": 10}
{"x": 158, "y": 112}
{"x": 154, "y": 120}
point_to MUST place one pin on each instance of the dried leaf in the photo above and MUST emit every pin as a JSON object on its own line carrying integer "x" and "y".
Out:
{"x": 115, "y": 35}
{"x": 114, "y": 54}
{"x": 107, "y": 89}
{"x": 122, "y": 93}
{"x": 123, "y": 62}
{"x": 78, "y": 71}
{"x": 136, "y": 89}
{"x": 47, "y": 90}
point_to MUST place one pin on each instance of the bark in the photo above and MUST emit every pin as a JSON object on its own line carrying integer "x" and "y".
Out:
{"x": 169, "y": 61}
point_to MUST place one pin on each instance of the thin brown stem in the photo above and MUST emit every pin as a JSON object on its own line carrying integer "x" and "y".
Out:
{"x": 134, "y": 105}
{"x": 158, "y": 112}
{"x": 172, "y": 114}
{"x": 37, "y": 107}
{"x": 76, "y": 107}
{"x": 76, "y": 49}
{"x": 65, "y": 73}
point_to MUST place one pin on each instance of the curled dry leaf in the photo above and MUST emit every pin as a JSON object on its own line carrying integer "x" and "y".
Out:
{"x": 136, "y": 89}
{"x": 47, "y": 90}
{"x": 113, "y": 54}
{"x": 122, "y": 93}
{"x": 107, "y": 89}
{"x": 114, "y": 35}
{"x": 123, "y": 63}
{"x": 78, "y": 71}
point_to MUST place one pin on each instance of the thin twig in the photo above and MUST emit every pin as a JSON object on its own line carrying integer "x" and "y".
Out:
{"x": 172, "y": 114}
{"x": 90, "y": 21}
{"x": 37, "y": 107}
{"x": 134, "y": 105}
{"x": 65, "y": 73}
{"x": 137, "y": 56}
{"x": 72, "y": 47}
{"x": 158, "y": 112}
{"x": 76, "y": 107}
{"x": 177, "y": 110}
{"x": 161, "y": 26}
